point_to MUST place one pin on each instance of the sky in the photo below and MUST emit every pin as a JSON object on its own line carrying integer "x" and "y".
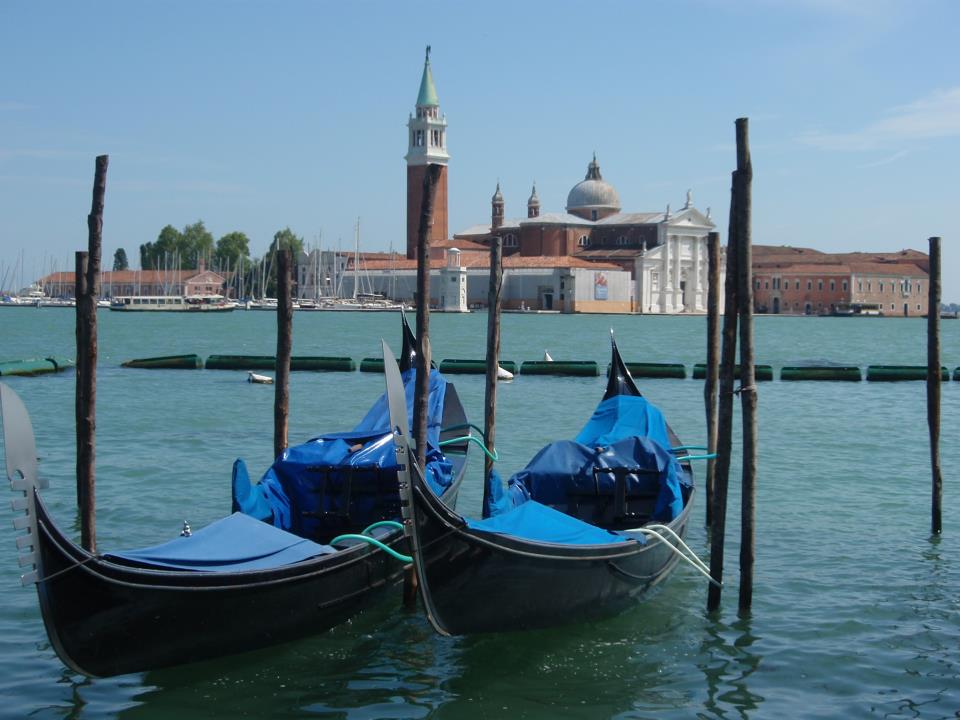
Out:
{"x": 256, "y": 116}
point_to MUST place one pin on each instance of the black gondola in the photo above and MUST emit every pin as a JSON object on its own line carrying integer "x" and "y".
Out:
{"x": 587, "y": 527}
{"x": 240, "y": 583}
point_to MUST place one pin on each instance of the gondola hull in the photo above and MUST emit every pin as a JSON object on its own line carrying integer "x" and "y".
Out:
{"x": 104, "y": 618}
{"x": 485, "y": 582}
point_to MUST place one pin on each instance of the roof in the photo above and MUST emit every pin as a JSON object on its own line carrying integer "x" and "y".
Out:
{"x": 482, "y": 260}
{"x": 132, "y": 277}
{"x": 641, "y": 218}
{"x": 428, "y": 92}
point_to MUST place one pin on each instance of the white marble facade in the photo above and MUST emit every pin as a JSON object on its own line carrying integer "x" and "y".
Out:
{"x": 672, "y": 277}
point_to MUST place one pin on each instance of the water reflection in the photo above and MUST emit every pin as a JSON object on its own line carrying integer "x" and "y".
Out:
{"x": 727, "y": 664}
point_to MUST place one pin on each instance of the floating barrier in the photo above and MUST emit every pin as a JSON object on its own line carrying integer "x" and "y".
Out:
{"x": 167, "y": 362}
{"x": 268, "y": 362}
{"x": 371, "y": 365}
{"x": 655, "y": 370}
{"x": 892, "y": 373}
{"x": 473, "y": 367}
{"x": 956, "y": 374}
{"x": 583, "y": 368}
{"x": 762, "y": 372}
{"x": 821, "y": 372}
{"x": 36, "y": 366}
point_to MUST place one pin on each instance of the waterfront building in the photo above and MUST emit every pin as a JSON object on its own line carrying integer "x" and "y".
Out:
{"x": 186, "y": 283}
{"x": 803, "y": 281}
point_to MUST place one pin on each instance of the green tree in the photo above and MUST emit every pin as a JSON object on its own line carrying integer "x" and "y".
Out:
{"x": 231, "y": 248}
{"x": 120, "y": 260}
{"x": 283, "y": 240}
{"x": 197, "y": 243}
{"x": 163, "y": 252}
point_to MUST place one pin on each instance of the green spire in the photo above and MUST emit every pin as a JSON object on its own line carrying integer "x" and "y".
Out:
{"x": 428, "y": 93}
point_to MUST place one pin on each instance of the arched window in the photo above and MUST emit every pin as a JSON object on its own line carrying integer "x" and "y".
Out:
{"x": 509, "y": 240}
{"x": 584, "y": 241}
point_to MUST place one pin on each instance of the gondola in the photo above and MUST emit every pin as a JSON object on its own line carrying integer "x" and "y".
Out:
{"x": 585, "y": 529}
{"x": 270, "y": 572}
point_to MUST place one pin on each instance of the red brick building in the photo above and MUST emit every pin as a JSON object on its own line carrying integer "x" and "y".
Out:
{"x": 803, "y": 281}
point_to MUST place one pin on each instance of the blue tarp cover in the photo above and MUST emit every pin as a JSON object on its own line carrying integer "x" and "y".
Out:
{"x": 336, "y": 478}
{"x": 534, "y": 521}
{"x": 624, "y": 432}
{"x": 234, "y": 543}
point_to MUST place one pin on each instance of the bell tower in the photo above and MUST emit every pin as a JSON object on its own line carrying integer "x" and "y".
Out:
{"x": 426, "y": 145}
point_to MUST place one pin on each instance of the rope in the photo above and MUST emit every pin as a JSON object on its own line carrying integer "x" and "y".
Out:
{"x": 383, "y": 523}
{"x": 685, "y": 554}
{"x": 688, "y": 447}
{"x": 376, "y": 543}
{"x": 470, "y": 438}
{"x": 684, "y": 458}
{"x": 67, "y": 569}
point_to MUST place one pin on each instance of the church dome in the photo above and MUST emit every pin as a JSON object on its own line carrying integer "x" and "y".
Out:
{"x": 593, "y": 193}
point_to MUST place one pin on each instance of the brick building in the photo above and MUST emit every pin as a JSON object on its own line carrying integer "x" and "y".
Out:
{"x": 803, "y": 281}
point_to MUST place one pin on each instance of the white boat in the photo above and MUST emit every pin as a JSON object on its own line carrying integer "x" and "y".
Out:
{"x": 171, "y": 303}
{"x": 253, "y": 377}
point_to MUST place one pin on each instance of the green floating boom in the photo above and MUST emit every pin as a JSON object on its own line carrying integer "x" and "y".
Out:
{"x": 762, "y": 372}
{"x": 374, "y": 365}
{"x": 472, "y": 367}
{"x": 35, "y": 366}
{"x": 268, "y": 362}
{"x": 582, "y": 368}
{"x": 892, "y": 373}
{"x": 655, "y": 370}
{"x": 167, "y": 362}
{"x": 847, "y": 373}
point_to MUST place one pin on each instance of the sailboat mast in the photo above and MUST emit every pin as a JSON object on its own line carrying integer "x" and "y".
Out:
{"x": 356, "y": 261}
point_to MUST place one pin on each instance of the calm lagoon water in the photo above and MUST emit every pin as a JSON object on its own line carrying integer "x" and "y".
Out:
{"x": 856, "y": 608}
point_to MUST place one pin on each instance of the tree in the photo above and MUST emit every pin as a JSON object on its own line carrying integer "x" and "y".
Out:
{"x": 231, "y": 248}
{"x": 196, "y": 243}
{"x": 120, "y": 260}
{"x": 162, "y": 253}
{"x": 286, "y": 240}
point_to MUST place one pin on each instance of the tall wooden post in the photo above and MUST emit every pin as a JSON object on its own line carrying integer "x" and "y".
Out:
{"x": 748, "y": 386}
{"x": 281, "y": 400}
{"x": 933, "y": 384}
{"x": 713, "y": 360}
{"x": 87, "y": 280}
{"x": 422, "y": 390}
{"x": 493, "y": 360}
{"x": 725, "y": 412}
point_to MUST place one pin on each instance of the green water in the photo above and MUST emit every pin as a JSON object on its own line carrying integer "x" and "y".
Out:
{"x": 856, "y": 609}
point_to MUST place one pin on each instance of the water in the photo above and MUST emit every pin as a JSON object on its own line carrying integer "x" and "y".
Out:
{"x": 856, "y": 609}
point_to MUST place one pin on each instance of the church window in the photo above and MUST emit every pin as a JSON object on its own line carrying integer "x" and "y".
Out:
{"x": 593, "y": 214}
{"x": 819, "y": 284}
{"x": 654, "y": 281}
{"x": 833, "y": 285}
{"x": 798, "y": 284}
{"x": 809, "y": 285}
{"x": 859, "y": 285}
{"x": 918, "y": 286}
{"x": 766, "y": 285}
{"x": 584, "y": 241}
{"x": 844, "y": 285}
{"x": 881, "y": 287}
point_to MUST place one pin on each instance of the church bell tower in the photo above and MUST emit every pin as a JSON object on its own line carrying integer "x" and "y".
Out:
{"x": 426, "y": 145}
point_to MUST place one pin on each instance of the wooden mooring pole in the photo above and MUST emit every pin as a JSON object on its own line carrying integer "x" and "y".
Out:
{"x": 743, "y": 179}
{"x": 493, "y": 361}
{"x": 86, "y": 281}
{"x": 724, "y": 413}
{"x": 422, "y": 391}
{"x": 713, "y": 360}
{"x": 933, "y": 384}
{"x": 281, "y": 398}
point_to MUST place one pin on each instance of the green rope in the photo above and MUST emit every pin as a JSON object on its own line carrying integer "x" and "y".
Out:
{"x": 383, "y": 523}
{"x": 462, "y": 427}
{"x": 689, "y": 447}
{"x": 684, "y": 458}
{"x": 376, "y": 543}
{"x": 470, "y": 438}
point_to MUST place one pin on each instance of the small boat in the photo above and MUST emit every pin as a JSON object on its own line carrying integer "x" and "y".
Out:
{"x": 306, "y": 548}
{"x": 585, "y": 529}
{"x": 171, "y": 303}
{"x": 253, "y": 377}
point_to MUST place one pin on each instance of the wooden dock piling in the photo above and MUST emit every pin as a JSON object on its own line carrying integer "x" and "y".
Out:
{"x": 281, "y": 401}
{"x": 86, "y": 279}
{"x": 743, "y": 179}
{"x": 724, "y": 412}
{"x": 933, "y": 384}
{"x": 713, "y": 361}
{"x": 493, "y": 360}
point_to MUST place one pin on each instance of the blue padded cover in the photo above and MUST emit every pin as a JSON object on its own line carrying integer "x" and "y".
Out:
{"x": 533, "y": 521}
{"x": 621, "y": 416}
{"x": 333, "y": 481}
{"x": 234, "y": 543}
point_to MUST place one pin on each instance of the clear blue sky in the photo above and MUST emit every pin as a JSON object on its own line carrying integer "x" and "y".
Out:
{"x": 255, "y": 116}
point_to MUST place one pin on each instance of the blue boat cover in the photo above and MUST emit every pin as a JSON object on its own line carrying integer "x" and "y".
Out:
{"x": 625, "y": 432}
{"x": 340, "y": 482}
{"x": 534, "y": 521}
{"x": 234, "y": 543}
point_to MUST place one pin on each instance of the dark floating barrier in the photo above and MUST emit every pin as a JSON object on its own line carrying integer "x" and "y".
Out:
{"x": 583, "y": 368}
{"x": 374, "y": 365}
{"x": 268, "y": 362}
{"x": 655, "y": 370}
{"x": 847, "y": 373}
{"x": 763, "y": 372}
{"x": 167, "y": 362}
{"x": 892, "y": 373}
{"x": 35, "y": 366}
{"x": 956, "y": 374}
{"x": 472, "y": 367}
